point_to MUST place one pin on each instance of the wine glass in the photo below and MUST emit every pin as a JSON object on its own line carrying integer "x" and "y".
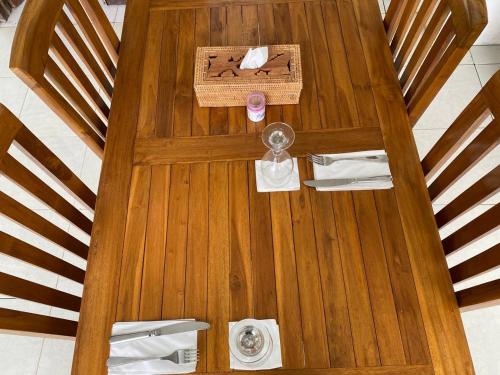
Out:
{"x": 277, "y": 164}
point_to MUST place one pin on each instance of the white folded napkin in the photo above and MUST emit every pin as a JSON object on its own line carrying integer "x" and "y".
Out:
{"x": 255, "y": 58}
{"x": 272, "y": 361}
{"x": 152, "y": 347}
{"x": 264, "y": 187}
{"x": 353, "y": 169}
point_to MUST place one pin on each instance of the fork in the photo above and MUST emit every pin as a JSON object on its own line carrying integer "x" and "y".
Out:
{"x": 326, "y": 160}
{"x": 180, "y": 357}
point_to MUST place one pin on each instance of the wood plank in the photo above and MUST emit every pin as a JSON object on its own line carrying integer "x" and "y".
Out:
{"x": 483, "y": 262}
{"x": 185, "y": 74}
{"x": 287, "y": 286}
{"x": 201, "y": 116}
{"x": 308, "y": 275}
{"x": 195, "y": 298}
{"x": 167, "y": 81}
{"x": 338, "y": 324}
{"x": 405, "y": 297}
{"x": 19, "y": 322}
{"x": 358, "y": 299}
{"x": 379, "y": 284}
{"x": 329, "y": 108}
{"x": 101, "y": 290}
{"x": 25, "y": 252}
{"x": 24, "y": 289}
{"x": 182, "y": 4}
{"x": 218, "y": 313}
{"x": 483, "y": 295}
{"x": 218, "y": 37}
{"x": 357, "y": 64}
{"x": 445, "y": 334}
{"x": 154, "y": 253}
{"x": 339, "y": 65}
{"x": 175, "y": 258}
{"x": 309, "y": 108}
{"x": 150, "y": 86}
{"x": 249, "y": 147}
{"x": 129, "y": 292}
{"x": 240, "y": 268}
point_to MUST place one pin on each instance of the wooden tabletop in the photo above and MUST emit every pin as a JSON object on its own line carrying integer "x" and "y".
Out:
{"x": 357, "y": 282}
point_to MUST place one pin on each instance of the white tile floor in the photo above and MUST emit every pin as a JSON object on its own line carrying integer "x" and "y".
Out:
{"x": 36, "y": 356}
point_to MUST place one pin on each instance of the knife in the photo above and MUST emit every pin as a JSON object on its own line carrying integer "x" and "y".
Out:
{"x": 346, "y": 181}
{"x": 165, "y": 330}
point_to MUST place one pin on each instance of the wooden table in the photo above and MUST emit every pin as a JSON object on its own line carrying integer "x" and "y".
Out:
{"x": 357, "y": 281}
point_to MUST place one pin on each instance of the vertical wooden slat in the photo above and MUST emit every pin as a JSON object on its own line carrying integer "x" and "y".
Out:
{"x": 153, "y": 273}
{"x": 309, "y": 108}
{"x": 175, "y": 250}
{"x": 308, "y": 274}
{"x": 314, "y": 30}
{"x": 129, "y": 292}
{"x": 403, "y": 286}
{"x": 185, "y": 73}
{"x": 167, "y": 81}
{"x": 287, "y": 286}
{"x": 218, "y": 313}
{"x": 338, "y": 324}
{"x": 146, "y": 127}
{"x": 195, "y": 299}
{"x": 218, "y": 37}
{"x": 358, "y": 299}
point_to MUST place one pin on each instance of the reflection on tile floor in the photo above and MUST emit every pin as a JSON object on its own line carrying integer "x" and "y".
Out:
{"x": 36, "y": 356}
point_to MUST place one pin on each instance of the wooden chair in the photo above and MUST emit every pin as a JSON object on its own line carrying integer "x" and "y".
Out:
{"x": 428, "y": 39}
{"x": 484, "y": 105}
{"x": 56, "y": 43}
{"x": 12, "y": 130}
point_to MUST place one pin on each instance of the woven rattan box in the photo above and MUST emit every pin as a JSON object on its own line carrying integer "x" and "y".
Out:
{"x": 218, "y": 81}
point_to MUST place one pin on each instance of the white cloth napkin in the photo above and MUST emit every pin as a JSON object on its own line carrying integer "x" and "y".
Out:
{"x": 152, "y": 347}
{"x": 272, "y": 361}
{"x": 353, "y": 169}
{"x": 264, "y": 187}
{"x": 255, "y": 58}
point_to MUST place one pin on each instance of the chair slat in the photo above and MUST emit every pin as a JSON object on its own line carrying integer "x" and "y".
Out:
{"x": 477, "y": 265}
{"x": 71, "y": 94}
{"x": 483, "y": 295}
{"x": 46, "y": 159}
{"x": 404, "y": 24}
{"x": 19, "y": 322}
{"x": 462, "y": 128}
{"x": 92, "y": 37}
{"x": 10, "y": 126}
{"x": 71, "y": 34}
{"x": 22, "y": 251}
{"x": 486, "y": 141}
{"x": 393, "y": 16}
{"x": 424, "y": 45}
{"x": 71, "y": 116}
{"x": 72, "y": 67}
{"x": 20, "y": 175}
{"x": 415, "y": 32}
{"x": 27, "y": 218}
{"x": 479, "y": 192}
{"x": 438, "y": 55}
{"x": 24, "y": 289}
{"x": 102, "y": 26}
{"x": 484, "y": 224}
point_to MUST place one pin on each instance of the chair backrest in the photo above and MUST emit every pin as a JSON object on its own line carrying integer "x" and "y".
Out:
{"x": 446, "y": 163}
{"x": 428, "y": 39}
{"x": 12, "y": 131}
{"x": 67, "y": 52}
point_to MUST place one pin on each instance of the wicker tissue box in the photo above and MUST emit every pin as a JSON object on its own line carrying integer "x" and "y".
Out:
{"x": 218, "y": 81}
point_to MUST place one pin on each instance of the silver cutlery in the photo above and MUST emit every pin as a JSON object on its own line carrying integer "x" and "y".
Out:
{"x": 166, "y": 330}
{"x": 180, "y": 357}
{"x": 346, "y": 181}
{"x": 326, "y": 160}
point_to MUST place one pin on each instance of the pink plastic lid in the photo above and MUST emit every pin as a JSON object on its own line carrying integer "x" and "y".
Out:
{"x": 256, "y": 101}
